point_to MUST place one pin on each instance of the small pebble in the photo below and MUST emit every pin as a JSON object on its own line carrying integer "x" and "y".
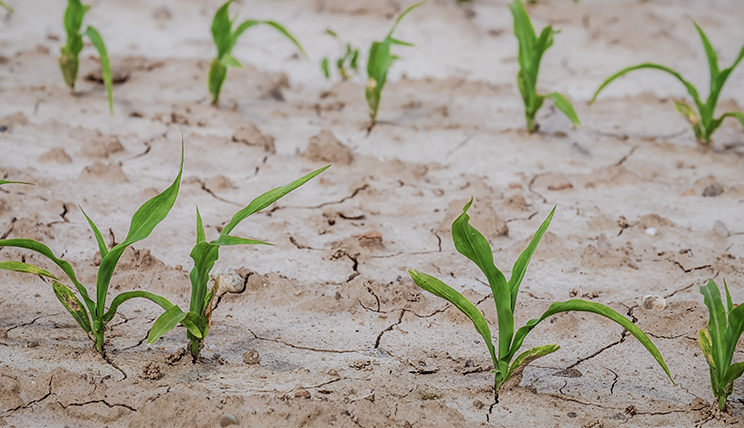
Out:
{"x": 713, "y": 189}
{"x": 228, "y": 419}
{"x": 571, "y": 414}
{"x": 251, "y": 357}
{"x": 651, "y": 231}
{"x": 654, "y": 302}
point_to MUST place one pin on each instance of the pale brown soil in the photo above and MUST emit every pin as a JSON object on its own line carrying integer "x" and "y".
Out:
{"x": 329, "y": 330}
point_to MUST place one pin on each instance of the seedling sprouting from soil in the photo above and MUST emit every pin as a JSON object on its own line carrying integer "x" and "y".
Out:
{"x": 205, "y": 254}
{"x": 378, "y": 64}
{"x": 346, "y": 64}
{"x": 473, "y": 245}
{"x": 704, "y": 123}
{"x": 68, "y": 59}
{"x": 531, "y": 50}
{"x": 718, "y": 342}
{"x": 225, "y": 39}
{"x": 94, "y": 319}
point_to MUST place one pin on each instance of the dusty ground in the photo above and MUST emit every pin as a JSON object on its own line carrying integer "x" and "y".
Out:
{"x": 343, "y": 336}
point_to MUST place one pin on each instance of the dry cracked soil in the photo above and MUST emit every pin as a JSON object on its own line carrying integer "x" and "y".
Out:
{"x": 326, "y": 328}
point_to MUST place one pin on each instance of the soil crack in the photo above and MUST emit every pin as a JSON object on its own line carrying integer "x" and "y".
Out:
{"x": 305, "y": 348}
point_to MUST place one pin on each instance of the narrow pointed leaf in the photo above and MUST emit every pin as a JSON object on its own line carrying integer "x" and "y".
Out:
{"x": 529, "y": 356}
{"x": 97, "y": 233}
{"x": 706, "y": 346}
{"x": 710, "y": 52}
{"x": 564, "y": 105}
{"x": 167, "y": 322}
{"x": 326, "y": 68}
{"x": 221, "y": 26}
{"x": 97, "y": 41}
{"x": 25, "y": 268}
{"x": 225, "y": 240}
{"x": 6, "y": 7}
{"x": 230, "y": 61}
{"x": 403, "y": 15}
{"x": 716, "y": 322}
{"x": 42, "y": 249}
{"x": 14, "y": 182}
{"x": 599, "y": 309}
{"x": 439, "y": 288}
{"x": 123, "y": 297}
{"x": 200, "y": 235}
{"x": 277, "y": 26}
{"x": 267, "y": 199}
{"x": 73, "y": 306}
{"x": 520, "y": 266}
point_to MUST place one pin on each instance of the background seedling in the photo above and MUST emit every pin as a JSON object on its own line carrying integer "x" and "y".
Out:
{"x": 94, "y": 319}
{"x": 68, "y": 60}
{"x": 225, "y": 39}
{"x": 378, "y": 64}
{"x": 347, "y": 63}
{"x": 473, "y": 245}
{"x": 531, "y": 50}
{"x": 704, "y": 123}
{"x": 12, "y": 182}
{"x": 205, "y": 254}
{"x": 6, "y": 6}
{"x": 718, "y": 342}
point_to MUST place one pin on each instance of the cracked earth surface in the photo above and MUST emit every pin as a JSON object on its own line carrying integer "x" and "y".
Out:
{"x": 329, "y": 330}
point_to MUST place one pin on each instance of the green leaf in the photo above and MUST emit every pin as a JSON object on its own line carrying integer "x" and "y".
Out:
{"x": 25, "y": 268}
{"x": 690, "y": 87}
{"x": 97, "y": 41}
{"x": 734, "y": 372}
{"x": 403, "y": 15}
{"x": 216, "y": 78}
{"x": 167, "y": 322}
{"x": 326, "y": 68}
{"x": 706, "y": 346}
{"x": 718, "y": 122}
{"x": 6, "y": 7}
{"x": 144, "y": 221}
{"x": 716, "y": 324}
{"x": 201, "y": 236}
{"x": 42, "y": 249}
{"x": 527, "y": 357}
{"x": 225, "y": 240}
{"x": 267, "y": 199}
{"x": 599, "y": 309}
{"x": 438, "y": 288}
{"x": 14, "y": 182}
{"x": 400, "y": 43}
{"x": 564, "y": 105}
{"x": 525, "y": 33}
{"x": 97, "y": 233}
{"x": 709, "y": 52}
{"x": 520, "y": 266}
{"x": 123, "y": 297}
{"x": 229, "y": 61}
{"x": 472, "y": 244}
{"x": 73, "y": 306}
{"x": 221, "y": 26}
{"x": 277, "y": 26}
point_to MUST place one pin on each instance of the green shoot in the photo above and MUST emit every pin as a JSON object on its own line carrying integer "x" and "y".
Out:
{"x": 378, "y": 64}
{"x": 531, "y": 50}
{"x": 347, "y": 64}
{"x": 205, "y": 254}
{"x": 91, "y": 314}
{"x": 703, "y": 122}
{"x": 718, "y": 342}
{"x": 6, "y": 6}
{"x": 68, "y": 60}
{"x": 225, "y": 39}
{"x": 13, "y": 182}
{"x": 473, "y": 245}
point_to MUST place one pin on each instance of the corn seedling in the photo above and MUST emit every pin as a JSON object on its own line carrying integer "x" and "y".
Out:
{"x": 378, "y": 64}
{"x": 205, "y": 254}
{"x": 531, "y": 50}
{"x": 225, "y": 39}
{"x": 91, "y": 315}
{"x": 473, "y": 245}
{"x": 68, "y": 59}
{"x": 346, "y": 64}
{"x": 703, "y": 123}
{"x": 718, "y": 342}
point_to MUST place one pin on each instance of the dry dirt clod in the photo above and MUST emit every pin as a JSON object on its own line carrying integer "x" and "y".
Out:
{"x": 228, "y": 280}
{"x": 151, "y": 372}
{"x": 325, "y": 147}
{"x": 654, "y": 302}
{"x": 301, "y": 392}
{"x": 251, "y": 357}
{"x": 721, "y": 230}
{"x": 713, "y": 189}
{"x": 56, "y": 155}
{"x": 252, "y": 136}
{"x": 228, "y": 419}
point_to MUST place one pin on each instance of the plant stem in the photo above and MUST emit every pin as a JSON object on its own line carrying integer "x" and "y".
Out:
{"x": 99, "y": 340}
{"x": 195, "y": 348}
{"x": 722, "y": 402}
{"x": 531, "y": 125}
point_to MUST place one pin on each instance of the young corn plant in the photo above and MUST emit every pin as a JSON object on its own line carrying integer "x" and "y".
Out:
{"x": 68, "y": 59}
{"x": 347, "y": 63}
{"x": 225, "y": 39}
{"x": 718, "y": 342}
{"x": 473, "y": 245}
{"x": 378, "y": 65}
{"x": 205, "y": 253}
{"x": 531, "y": 50}
{"x": 90, "y": 314}
{"x": 703, "y": 122}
